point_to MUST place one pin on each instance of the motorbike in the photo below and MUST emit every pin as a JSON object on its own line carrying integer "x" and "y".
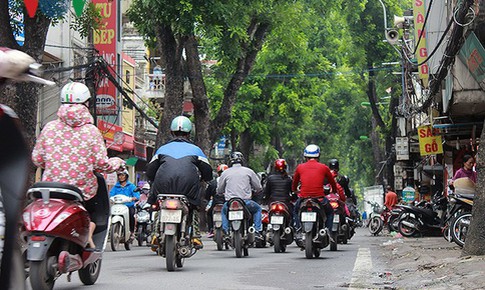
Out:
{"x": 340, "y": 222}
{"x": 218, "y": 231}
{"x": 423, "y": 219}
{"x": 261, "y": 243}
{"x": 386, "y": 218}
{"x": 242, "y": 231}
{"x": 120, "y": 222}
{"x": 312, "y": 217}
{"x": 176, "y": 232}
{"x": 57, "y": 229}
{"x": 143, "y": 221}
{"x": 458, "y": 216}
{"x": 280, "y": 221}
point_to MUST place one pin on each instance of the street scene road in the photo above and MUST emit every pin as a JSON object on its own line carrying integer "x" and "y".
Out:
{"x": 355, "y": 265}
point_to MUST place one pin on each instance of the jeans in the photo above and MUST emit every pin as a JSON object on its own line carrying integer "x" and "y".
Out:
{"x": 253, "y": 207}
{"x": 326, "y": 208}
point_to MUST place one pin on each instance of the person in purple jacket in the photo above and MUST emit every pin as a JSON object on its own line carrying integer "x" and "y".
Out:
{"x": 467, "y": 169}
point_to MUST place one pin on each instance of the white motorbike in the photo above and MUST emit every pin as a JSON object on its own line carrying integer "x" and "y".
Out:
{"x": 120, "y": 222}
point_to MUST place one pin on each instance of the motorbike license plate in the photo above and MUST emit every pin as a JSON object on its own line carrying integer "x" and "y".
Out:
{"x": 171, "y": 216}
{"x": 236, "y": 215}
{"x": 277, "y": 220}
{"x": 308, "y": 216}
{"x": 217, "y": 217}
{"x": 336, "y": 218}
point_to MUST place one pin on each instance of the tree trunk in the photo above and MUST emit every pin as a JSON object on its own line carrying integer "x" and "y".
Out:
{"x": 171, "y": 48}
{"x": 476, "y": 233}
{"x": 199, "y": 95}
{"x": 371, "y": 95}
{"x": 256, "y": 32}
{"x": 23, "y": 97}
{"x": 246, "y": 143}
{"x": 376, "y": 150}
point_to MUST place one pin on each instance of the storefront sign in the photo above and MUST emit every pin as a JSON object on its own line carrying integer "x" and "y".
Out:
{"x": 105, "y": 42}
{"x": 420, "y": 33}
{"x": 408, "y": 194}
{"x": 429, "y": 141}
{"x": 402, "y": 148}
{"x": 472, "y": 54}
{"x": 112, "y": 134}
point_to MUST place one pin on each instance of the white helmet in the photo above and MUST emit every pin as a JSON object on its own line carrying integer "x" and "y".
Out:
{"x": 312, "y": 151}
{"x": 75, "y": 93}
{"x": 181, "y": 124}
{"x": 146, "y": 186}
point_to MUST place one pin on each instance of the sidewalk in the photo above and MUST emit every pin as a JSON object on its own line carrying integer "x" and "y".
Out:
{"x": 429, "y": 263}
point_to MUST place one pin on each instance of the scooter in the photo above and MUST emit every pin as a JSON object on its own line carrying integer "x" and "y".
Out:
{"x": 218, "y": 231}
{"x": 340, "y": 226}
{"x": 312, "y": 217}
{"x": 241, "y": 221}
{"x": 120, "y": 222}
{"x": 280, "y": 221}
{"x": 57, "y": 228}
{"x": 143, "y": 221}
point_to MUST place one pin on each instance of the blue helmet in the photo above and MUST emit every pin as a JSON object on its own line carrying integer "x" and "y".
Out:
{"x": 312, "y": 151}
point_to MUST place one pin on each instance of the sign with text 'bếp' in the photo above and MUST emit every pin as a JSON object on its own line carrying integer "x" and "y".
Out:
{"x": 429, "y": 140}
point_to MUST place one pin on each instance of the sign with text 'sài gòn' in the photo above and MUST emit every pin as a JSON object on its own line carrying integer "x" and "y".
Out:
{"x": 429, "y": 140}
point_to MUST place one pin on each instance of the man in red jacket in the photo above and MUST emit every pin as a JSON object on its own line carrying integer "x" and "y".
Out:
{"x": 312, "y": 176}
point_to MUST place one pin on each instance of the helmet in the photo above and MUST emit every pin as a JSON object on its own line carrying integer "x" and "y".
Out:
{"x": 75, "y": 93}
{"x": 181, "y": 124}
{"x": 125, "y": 172}
{"x": 146, "y": 186}
{"x": 236, "y": 157}
{"x": 221, "y": 168}
{"x": 333, "y": 164}
{"x": 312, "y": 151}
{"x": 280, "y": 165}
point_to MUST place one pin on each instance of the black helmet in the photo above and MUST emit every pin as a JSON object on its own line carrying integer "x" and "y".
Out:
{"x": 333, "y": 164}
{"x": 236, "y": 157}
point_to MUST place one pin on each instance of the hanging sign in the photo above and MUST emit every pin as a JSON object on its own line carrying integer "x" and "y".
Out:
{"x": 78, "y": 6}
{"x": 429, "y": 140}
{"x": 31, "y": 6}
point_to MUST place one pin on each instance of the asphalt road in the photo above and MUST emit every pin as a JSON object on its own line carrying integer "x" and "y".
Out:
{"x": 354, "y": 266}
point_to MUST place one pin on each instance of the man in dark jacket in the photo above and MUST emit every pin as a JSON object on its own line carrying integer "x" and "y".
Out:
{"x": 177, "y": 168}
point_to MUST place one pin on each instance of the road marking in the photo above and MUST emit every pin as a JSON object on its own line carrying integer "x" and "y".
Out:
{"x": 362, "y": 270}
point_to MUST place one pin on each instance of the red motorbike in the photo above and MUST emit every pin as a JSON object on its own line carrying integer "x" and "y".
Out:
{"x": 340, "y": 227}
{"x": 280, "y": 219}
{"x": 57, "y": 228}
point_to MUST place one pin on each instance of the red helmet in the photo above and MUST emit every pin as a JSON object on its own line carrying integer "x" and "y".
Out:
{"x": 280, "y": 165}
{"x": 221, "y": 168}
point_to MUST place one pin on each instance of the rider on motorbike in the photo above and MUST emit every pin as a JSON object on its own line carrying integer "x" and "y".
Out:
{"x": 213, "y": 198}
{"x": 240, "y": 181}
{"x": 125, "y": 187}
{"x": 177, "y": 168}
{"x": 341, "y": 179}
{"x": 312, "y": 176}
{"x": 278, "y": 186}
{"x": 71, "y": 148}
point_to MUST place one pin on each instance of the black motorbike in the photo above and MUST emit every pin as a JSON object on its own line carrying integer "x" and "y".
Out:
{"x": 143, "y": 222}
{"x": 458, "y": 217}
{"x": 242, "y": 231}
{"x": 312, "y": 217}
{"x": 281, "y": 230}
{"x": 218, "y": 231}
{"x": 425, "y": 220}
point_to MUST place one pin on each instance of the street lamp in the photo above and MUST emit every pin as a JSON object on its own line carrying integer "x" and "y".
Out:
{"x": 367, "y": 104}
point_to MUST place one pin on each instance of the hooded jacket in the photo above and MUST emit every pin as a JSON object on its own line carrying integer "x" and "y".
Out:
{"x": 70, "y": 148}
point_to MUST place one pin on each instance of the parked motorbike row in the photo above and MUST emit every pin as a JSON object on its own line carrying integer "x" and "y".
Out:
{"x": 447, "y": 215}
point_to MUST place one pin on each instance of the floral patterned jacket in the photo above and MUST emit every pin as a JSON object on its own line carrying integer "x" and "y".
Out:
{"x": 71, "y": 147}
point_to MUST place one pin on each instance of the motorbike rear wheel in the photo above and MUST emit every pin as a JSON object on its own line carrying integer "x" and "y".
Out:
{"x": 333, "y": 244}
{"x": 41, "y": 274}
{"x": 375, "y": 225}
{"x": 90, "y": 273}
{"x": 309, "y": 245}
{"x": 238, "y": 245}
{"x": 170, "y": 253}
{"x": 277, "y": 242}
{"x": 218, "y": 238}
{"x": 459, "y": 228}
{"x": 392, "y": 223}
{"x": 115, "y": 236}
{"x": 405, "y": 230}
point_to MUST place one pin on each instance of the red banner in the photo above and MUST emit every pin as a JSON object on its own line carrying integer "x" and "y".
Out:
{"x": 105, "y": 42}
{"x": 113, "y": 135}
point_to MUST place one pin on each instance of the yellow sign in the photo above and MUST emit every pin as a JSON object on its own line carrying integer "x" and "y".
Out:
{"x": 429, "y": 140}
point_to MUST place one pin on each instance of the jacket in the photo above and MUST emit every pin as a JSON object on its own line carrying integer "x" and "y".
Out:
{"x": 70, "y": 148}
{"x": 312, "y": 175}
{"x": 238, "y": 181}
{"x": 128, "y": 190}
{"x": 177, "y": 167}
{"x": 277, "y": 188}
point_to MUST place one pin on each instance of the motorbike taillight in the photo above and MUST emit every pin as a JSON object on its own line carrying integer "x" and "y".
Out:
{"x": 334, "y": 204}
{"x": 171, "y": 203}
{"x": 235, "y": 205}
